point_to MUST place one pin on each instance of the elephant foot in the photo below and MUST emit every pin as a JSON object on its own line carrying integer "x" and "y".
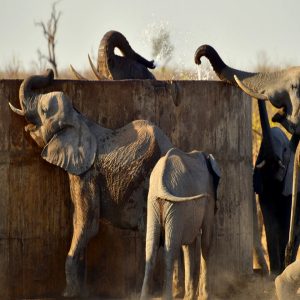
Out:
{"x": 190, "y": 296}
{"x": 74, "y": 291}
{"x": 74, "y": 279}
{"x": 71, "y": 292}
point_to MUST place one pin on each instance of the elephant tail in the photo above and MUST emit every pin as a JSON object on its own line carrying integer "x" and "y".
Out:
{"x": 180, "y": 177}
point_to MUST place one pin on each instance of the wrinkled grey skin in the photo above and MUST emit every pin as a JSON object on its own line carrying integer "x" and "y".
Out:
{"x": 114, "y": 67}
{"x": 273, "y": 173}
{"x": 281, "y": 88}
{"x": 181, "y": 207}
{"x": 105, "y": 167}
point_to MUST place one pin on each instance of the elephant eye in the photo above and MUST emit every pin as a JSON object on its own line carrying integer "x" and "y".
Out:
{"x": 44, "y": 109}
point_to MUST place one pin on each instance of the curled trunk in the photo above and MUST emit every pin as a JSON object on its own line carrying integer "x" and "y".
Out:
{"x": 224, "y": 72}
{"x": 28, "y": 99}
{"x": 254, "y": 84}
{"x": 227, "y": 74}
{"x": 107, "y": 58}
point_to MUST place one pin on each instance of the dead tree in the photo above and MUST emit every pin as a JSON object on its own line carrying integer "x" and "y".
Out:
{"x": 49, "y": 31}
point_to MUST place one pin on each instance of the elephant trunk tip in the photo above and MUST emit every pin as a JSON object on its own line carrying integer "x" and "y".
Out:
{"x": 152, "y": 64}
{"x": 204, "y": 50}
{"x": 212, "y": 55}
{"x": 29, "y": 84}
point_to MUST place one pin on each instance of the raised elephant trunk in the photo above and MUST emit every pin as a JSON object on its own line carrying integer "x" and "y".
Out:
{"x": 254, "y": 84}
{"x": 268, "y": 142}
{"x": 227, "y": 74}
{"x": 224, "y": 72}
{"x": 28, "y": 99}
{"x": 106, "y": 54}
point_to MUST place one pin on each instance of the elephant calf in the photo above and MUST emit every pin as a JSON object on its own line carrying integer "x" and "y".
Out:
{"x": 181, "y": 206}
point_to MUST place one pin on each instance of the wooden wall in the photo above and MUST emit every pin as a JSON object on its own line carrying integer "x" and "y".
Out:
{"x": 35, "y": 206}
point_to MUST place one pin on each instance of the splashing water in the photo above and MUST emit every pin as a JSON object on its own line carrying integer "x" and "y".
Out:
{"x": 205, "y": 72}
{"x": 199, "y": 72}
{"x": 156, "y": 36}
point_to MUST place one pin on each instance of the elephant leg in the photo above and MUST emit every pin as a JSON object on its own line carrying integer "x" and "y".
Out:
{"x": 152, "y": 245}
{"x": 178, "y": 276}
{"x": 288, "y": 282}
{"x": 171, "y": 250}
{"x": 206, "y": 241}
{"x": 273, "y": 236}
{"x": 258, "y": 252}
{"x": 296, "y": 243}
{"x": 297, "y": 231}
{"x": 295, "y": 248}
{"x": 170, "y": 254}
{"x": 189, "y": 270}
{"x": 86, "y": 200}
{"x": 282, "y": 234}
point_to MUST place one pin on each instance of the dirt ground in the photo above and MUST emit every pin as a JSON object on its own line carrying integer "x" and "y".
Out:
{"x": 253, "y": 287}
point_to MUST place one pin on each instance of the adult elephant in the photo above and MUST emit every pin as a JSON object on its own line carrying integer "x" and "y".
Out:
{"x": 112, "y": 66}
{"x": 273, "y": 173}
{"x": 107, "y": 169}
{"x": 281, "y": 88}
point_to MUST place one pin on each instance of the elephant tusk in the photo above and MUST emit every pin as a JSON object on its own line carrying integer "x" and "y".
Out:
{"x": 16, "y": 110}
{"x": 281, "y": 164}
{"x": 249, "y": 91}
{"x": 76, "y": 74}
{"x": 261, "y": 164}
{"x": 96, "y": 73}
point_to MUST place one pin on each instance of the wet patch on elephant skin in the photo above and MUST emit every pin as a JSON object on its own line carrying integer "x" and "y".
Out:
{"x": 132, "y": 210}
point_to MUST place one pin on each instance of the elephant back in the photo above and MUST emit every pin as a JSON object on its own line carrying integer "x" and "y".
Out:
{"x": 180, "y": 176}
{"x": 127, "y": 159}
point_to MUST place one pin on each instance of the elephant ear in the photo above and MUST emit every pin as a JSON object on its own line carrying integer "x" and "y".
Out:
{"x": 73, "y": 149}
{"x": 214, "y": 169}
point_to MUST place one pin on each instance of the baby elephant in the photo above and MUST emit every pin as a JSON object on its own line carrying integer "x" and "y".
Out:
{"x": 181, "y": 207}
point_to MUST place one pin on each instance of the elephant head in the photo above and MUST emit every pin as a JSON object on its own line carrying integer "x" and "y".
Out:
{"x": 274, "y": 152}
{"x": 281, "y": 88}
{"x": 112, "y": 66}
{"x": 56, "y": 126}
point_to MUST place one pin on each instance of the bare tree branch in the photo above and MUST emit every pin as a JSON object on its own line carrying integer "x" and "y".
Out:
{"x": 49, "y": 31}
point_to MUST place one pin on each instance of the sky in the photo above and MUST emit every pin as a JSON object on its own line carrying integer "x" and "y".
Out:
{"x": 240, "y": 30}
